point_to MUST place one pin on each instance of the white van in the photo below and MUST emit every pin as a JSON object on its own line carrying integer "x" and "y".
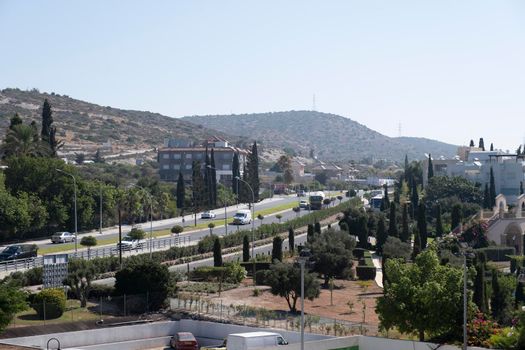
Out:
{"x": 242, "y": 217}
{"x": 254, "y": 340}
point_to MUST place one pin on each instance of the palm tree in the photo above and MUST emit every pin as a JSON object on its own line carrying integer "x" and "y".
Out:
{"x": 22, "y": 140}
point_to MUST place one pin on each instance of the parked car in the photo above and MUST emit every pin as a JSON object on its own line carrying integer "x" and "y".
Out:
{"x": 63, "y": 237}
{"x": 303, "y": 204}
{"x": 19, "y": 251}
{"x": 208, "y": 215}
{"x": 129, "y": 243}
{"x": 184, "y": 341}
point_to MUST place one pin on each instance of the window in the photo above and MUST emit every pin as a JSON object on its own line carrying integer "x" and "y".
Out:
{"x": 165, "y": 156}
{"x": 188, "y": 155}
{"x": 188, "y": 166}
{"x": 198, "y": 156}
{"x": 176, "y": 156}
{"x": 226, "y": 167}
{"x": 165, "y": 166}
{"x": 176, "y": 166}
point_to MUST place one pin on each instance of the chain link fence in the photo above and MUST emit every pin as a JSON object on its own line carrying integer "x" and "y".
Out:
{"x": 201, "y": 307}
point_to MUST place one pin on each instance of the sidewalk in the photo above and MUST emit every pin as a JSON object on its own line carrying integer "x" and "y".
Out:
{"x": 376, "y": 259}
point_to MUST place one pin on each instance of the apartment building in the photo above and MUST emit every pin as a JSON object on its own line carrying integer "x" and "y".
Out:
{"x": 178, "y": 157}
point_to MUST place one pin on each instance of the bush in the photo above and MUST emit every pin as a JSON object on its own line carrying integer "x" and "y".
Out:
{"x": 49, "y": 303}
{"x": 259, "y": 265}
{"x": 177, "y": 229}
{"x": 497, "y": 253}
{"x": 98, "y": 291}
{"x": 358, "y": 252}
{"x": 231, "y": 273}
{"x": 366, "y": 272}
{"x": 261, "y": 277}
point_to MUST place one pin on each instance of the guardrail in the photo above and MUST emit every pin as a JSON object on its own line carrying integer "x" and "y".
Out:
{"x": 162, "y": 243}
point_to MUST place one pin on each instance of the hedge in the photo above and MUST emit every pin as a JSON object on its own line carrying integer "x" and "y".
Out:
{"x": 358, "y": 252}
{"x": 366, "y": 272}
{"x": 497, "y": 253}
{"x": 49, "y": 303}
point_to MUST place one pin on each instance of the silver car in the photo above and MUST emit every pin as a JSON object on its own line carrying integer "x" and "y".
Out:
{"x": 63, "y": 237}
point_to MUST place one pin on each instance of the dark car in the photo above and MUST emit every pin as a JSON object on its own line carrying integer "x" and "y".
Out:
{"x": 19, "y": 251}
{"x": 184, "y": 341}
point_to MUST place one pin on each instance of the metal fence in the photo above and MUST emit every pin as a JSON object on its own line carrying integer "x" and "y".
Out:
{"x": 162, "y": 243}
{"x": 260, "y": 317}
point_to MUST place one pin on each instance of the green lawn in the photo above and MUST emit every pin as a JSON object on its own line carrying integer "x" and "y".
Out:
{"x": 163, "y": 233}
{"x": 73, "y": 313}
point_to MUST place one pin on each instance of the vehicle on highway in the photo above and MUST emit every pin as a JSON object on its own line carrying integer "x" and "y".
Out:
{"x": 254, "y": 340}
{"x": 63, "y": 237}
{"x": 303, "y": 204}
{"x": 184, "y": 341}
{"x": 19, "y": 251}
{"x": 316, "y": 200}
{"x": 208, "y": 215}
{"x": 129, "y": 243}
{"x": 242, "y": 217}
{"x": 301, "y": 193}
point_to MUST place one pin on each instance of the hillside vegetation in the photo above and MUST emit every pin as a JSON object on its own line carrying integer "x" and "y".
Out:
{"x": 332, "y": 137}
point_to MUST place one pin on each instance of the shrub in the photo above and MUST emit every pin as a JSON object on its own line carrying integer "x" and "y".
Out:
{"x": 259, "y": 265}
{"x": 100, "y": 291}
{"x": 49, "y": 303}
{"x": 177, "y": 229}
{"x": 498, "y": 253}
{"x": 261, "y": 277}
{"x": 366, "y": 272}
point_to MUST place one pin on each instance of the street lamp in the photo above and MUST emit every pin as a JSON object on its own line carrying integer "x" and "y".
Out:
{"x": 224, "y": 204}
{"x": 465, "y": 254}
{"x": 304, "y": 256}
{"x": 75, "y": 202}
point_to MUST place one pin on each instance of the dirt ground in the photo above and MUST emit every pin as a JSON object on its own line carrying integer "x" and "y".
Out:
{"x": 362, "y": 295}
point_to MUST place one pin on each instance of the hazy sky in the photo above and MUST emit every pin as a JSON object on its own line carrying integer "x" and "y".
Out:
{"x": 448, "y": 70}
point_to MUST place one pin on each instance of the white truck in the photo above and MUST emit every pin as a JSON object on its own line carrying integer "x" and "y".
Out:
{"x": 254, "y": 340}
{"x": 242, "y": 217}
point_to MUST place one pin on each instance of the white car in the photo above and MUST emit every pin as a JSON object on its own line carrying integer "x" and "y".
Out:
{"x": 62, "y": 237}
{"x": 208, "y": 215}
{"x": 303, "y": 204}
{"x": 129, "y": 243}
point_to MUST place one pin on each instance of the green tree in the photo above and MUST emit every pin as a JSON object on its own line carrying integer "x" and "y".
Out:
{"x": 422, "y": 225}
{"x": 430, "y": 168}
{"x": 22, "y": 140}
{"x": 285, "y": 281}
{"x": 317, "y": 227}
{"x": 177, "y": 229}
{"x": 137, "y": 233}
{"x": 236, "y": 173}
{"x": 479, "y": 297}
{"x": 382, "y": 235}
{"x": 492, "y": 189}
{"x": 363, "y": 232}
{"x": 481, "y": 144}
{"x": 277, "y": 249}
{"x": 97, "y": 158}
{"x": 405, "y": 233}
{"x": 48, "y": 132}
{"x": 332, "y": 254}
{"x": 253, "y": 170}
{"x": 199, "y": 199}
{"x": 291, "y": 240}
{"x": 12, "y": 301}
{"x": 88, "y": 241}
{"x": 441, "y": 187}
{"x": 455, "y": 217}
{"x": 217, "y": 252}
{"x": 310, "y": 233}
{"x": 180, "y": 193}
{"x": 80, "y": 275}
{"x": 417, "y": 292}
{"x": 471, "y": 144}
{"x": 141, "y": 276}
{"x": 502, "y": 298}
{"x": 392, "y": 222}
{"x": 486, "y": 197}
{"x": 414, "y": 198}
{"x": 439, "y": 223}
{"x": 416, "y": 249}
{"x": 211, "y": 226}
{"x": 385, "y": 202}
{"x": 245, "y": 248}
{"x": 491, "y": 147}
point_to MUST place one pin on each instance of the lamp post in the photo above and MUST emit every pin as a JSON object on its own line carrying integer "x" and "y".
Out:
{"x": 303, "y": 258}
{"x": 150, "y": 218}
{"x": 253, "y": 224}
{"x": 75, "y": 203}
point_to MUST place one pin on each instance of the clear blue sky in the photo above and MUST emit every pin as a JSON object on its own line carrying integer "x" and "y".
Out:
{"x": 448, "y": 70}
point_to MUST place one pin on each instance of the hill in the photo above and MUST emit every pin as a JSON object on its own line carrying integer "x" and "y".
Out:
{"x": 330, "y": 136}
{"x": 85, "y": 126}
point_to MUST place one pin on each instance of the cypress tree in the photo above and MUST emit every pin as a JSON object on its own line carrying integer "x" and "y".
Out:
{"x": 47, "y": 121}
{"x": 439, "y": 222}
{"x": 518, "y": 151}
{"x": 496, "y": 302}
{"x": 416, "y": 249}
{"x": 479, "y": 288}
{"x": 277, "y": 249}
{"x": 245, "y": 249}
{"x": 422, "y": 225}
{"x": 430, "y": 168}
{"x": 291, "y": 240}
{"x": 213, "y": 172}
{"x": 492, "y": 189}
{"x": 455, "y": 217}
{"x": 471, "y": 143}
{"x": 492, "y": 147}
{"x": 310, "y": 233}
{"x": 236, "y": 172}
{"x": 381, "y": 234}
{"x": 217, "y": 252}
{"x": 406, "y": 165}
{"x": 317, "y": 227}
{"x": 253, "y": 170}
{"x": 385, "y": 203}
{"x": 405, "y": 233}
{"x": 363, "y": 232}
{"x": 414, "y": 198}
{"x": 486, "y": 197}
{"x": 197, "y": 185}
{"x": 392, "y": 224}
{"x": 521, "y": 187}
{"x": 481, "y": 144}
{"x": 396, "y": 195}
{"x": 180, "y": 193}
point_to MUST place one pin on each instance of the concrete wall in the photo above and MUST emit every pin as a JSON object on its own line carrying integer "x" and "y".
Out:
{"x": 376, "y": 343}
{"x": 326, "y": 344}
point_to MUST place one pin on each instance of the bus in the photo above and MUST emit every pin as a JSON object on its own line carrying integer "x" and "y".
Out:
{"x": 375, "y": 201}
{"x": 316, "y": 200}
